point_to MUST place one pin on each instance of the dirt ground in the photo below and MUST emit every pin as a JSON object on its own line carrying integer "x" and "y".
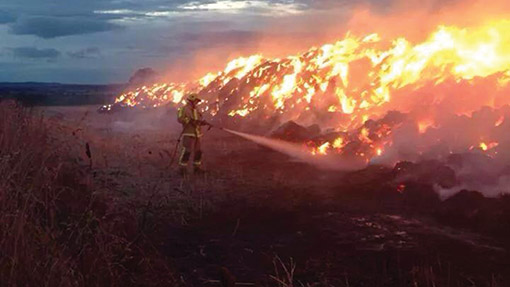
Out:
{"x": 259, "y": 213}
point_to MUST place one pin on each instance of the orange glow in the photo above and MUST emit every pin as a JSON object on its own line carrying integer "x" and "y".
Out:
{"x": 379, "y": 152}
{"x": 321, "y": 150}
{"x": 487, "y": 146}
{"x": 356, "y": 79}
{"x": 338, "y": 143}
{"x": 401, "y": 188}
{"x": 500, "y": 121}
{"x": 424, "y": 125}
{"x": 303, "y": 81}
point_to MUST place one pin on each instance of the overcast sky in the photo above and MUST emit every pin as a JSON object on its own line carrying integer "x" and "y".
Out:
{"x": 105, "y": 41}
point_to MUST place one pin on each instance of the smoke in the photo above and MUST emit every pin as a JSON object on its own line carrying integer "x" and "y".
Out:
{"x": 476, "y": 147}
{"x": 137, "y": 120}
{"x": 489, "y": 190}
{"x": 298, "y": 152}
{"x": 417, "y": 18}
{"x": 324, "y": 22}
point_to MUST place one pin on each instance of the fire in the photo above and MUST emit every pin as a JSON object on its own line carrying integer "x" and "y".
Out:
{"x": 364, "y": 135}
{"x": 424, "y": 125}
{"x": 241, "y": 67}
{"x": 338, "y": 143}
{"x": 379, "y": 151}
{"x": 500, "y": 121}
{"x": 207, "y": 79}
{"x": 401, "y": 188}
{"x": 487, "y": 146}
{"x": 354, "y": 80}
{"x": 307, "y": 80}
{"x": 321, "y": 150}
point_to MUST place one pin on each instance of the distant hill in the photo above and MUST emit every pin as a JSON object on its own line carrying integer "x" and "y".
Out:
{"x": 47, "y": 94}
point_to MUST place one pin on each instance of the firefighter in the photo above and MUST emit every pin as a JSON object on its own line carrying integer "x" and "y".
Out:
{"x": 191, "y": 119}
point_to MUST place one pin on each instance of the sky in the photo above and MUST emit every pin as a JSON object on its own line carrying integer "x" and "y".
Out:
{"x": 105, "y": 41}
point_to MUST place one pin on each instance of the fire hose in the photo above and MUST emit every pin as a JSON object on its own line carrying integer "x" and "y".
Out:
{"x": 176, "y": 148}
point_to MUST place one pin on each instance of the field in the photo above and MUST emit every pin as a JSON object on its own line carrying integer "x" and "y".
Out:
{"x": 91, "y": 199}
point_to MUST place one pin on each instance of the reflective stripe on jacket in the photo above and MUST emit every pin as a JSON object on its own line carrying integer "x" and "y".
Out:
{"x": 189, "y": 118}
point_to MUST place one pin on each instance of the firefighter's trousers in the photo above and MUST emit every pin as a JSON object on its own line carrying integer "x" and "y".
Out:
{"x": 189, "y": 144}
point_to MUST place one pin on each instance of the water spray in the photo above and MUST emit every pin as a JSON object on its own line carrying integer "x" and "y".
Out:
{"x": 297, "y": 151}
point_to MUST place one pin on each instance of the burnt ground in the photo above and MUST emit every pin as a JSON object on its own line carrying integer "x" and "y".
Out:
{"x": 256, "y": 213}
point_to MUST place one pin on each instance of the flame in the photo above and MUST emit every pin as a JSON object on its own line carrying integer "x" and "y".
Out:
{"x": 487, "y": 146}
{"x": 328, "y": 79}
{"x": 401, "y": 188}
{"x": 424, "y": 125}
{"x": 321, "y": 150}
{"x": 241, "y": 67}
{"x": 338, "y": 143}
{"x": 207, "y": 79}
{"x": 308, "y": 79}
{"x": 500, "y": 121}
{"x": 379, "y": 151}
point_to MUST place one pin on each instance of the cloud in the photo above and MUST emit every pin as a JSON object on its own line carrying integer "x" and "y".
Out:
{"x": 185, "y": 43}
{"x": 52, "y": 27}
{"x": 132, "y": 14}
{"x": 91, "y": 52}
{"x": 177, "y": 8}
{"x": 257, "y": 6}
{"x": 6, "y": 17}
{"x": 218, "y": 37}
{"x": 35, "y": 53}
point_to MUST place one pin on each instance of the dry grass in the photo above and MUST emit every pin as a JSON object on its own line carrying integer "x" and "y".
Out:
{"x": 283, "y": 274}
{"x": 72, "y": 216}
{"x": 55, "y": 230}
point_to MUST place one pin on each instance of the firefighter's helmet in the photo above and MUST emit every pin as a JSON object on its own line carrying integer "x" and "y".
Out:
{"x": 193, "y": 97}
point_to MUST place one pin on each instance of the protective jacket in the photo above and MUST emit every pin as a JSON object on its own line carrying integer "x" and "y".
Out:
{"x": 191, "y": 120}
